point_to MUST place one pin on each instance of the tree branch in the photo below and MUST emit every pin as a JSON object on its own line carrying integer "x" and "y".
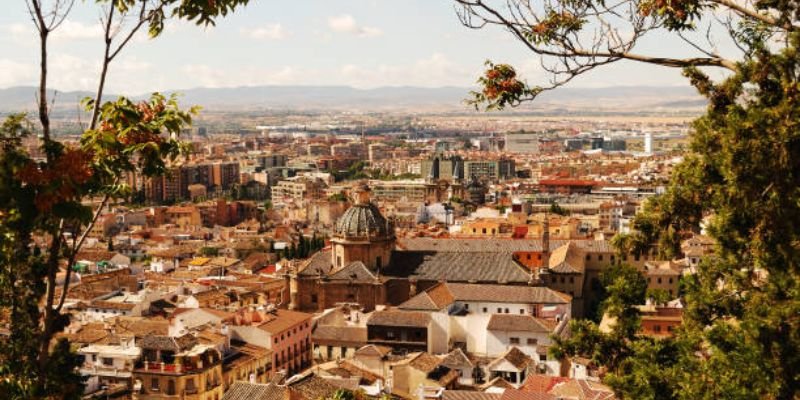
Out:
{"x": 750, "y": 13}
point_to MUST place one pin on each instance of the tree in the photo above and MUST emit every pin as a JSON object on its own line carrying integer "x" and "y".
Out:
{"x": 740, "y": 331}
{"x": 41, "y": 201}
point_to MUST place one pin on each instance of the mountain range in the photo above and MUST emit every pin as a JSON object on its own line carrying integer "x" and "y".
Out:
{"x": 255, "y": 98}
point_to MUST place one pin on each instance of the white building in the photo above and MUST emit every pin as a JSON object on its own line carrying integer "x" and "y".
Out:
{"x": 109, "y": 365}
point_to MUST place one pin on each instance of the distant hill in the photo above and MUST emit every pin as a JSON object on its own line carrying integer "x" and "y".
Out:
{"x": 253, "y": 98}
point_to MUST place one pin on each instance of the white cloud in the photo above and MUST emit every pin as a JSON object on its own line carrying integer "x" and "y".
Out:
{"x": 434, "y": 71}
{"x": 69, "y": 30}
{"x": 14, "y": 73}
{"x": 269, "y": 32}
{"x": 208, "y": 76}
{"x": 72, "y": 30}
{"x": 345, "y": 23}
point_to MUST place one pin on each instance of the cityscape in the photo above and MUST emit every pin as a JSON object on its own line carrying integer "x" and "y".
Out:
{"x": 485, "y": 237}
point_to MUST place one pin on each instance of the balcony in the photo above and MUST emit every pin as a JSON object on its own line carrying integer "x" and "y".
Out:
{"x": 105, "y": 370}
{"x": 165, "y": 368}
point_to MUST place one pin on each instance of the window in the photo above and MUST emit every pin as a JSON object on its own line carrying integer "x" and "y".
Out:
{"x": 571, "y": 279}
{"x": 521, "y": 311}
{"x": 670, "y": 280}
{"x": 542, "y": 357}
{"x": 484, "y": 230}
{"x": 539, "y": 256}
{"x": 499, "y": 310}
{"x": 390, "y": 334}
{"x": 276, "y": 340}
{"x": 108, "y": 361}
{"x": 171, "y": 387}
{"x": 562, "y": 279}
{"x": 599, "y": 257}
{"x": 529, "y": 256}
{"x": 657, "y": 328}
{"x": 343, "y": 351}
{"x": 339, "y": 260}
{"x": 636, "y": 257}
{"x": 612, "y": 258}
{"x": 659, "y": 280}
{"x": 313, "y": 298}
{"x": 514, "y": 340}
{"x": 466, "y": 306}
{"x": 506, "y": 311}
{"x": 670, "y": 328}
{"x": 588, "y": 257}
{"x": 485, "y": 310}
{"x": 378, "y": 262}
{"x": 154, "y": 384}
{"x": 532, "y": 342}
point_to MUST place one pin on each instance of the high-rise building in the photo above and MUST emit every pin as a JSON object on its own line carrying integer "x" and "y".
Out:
{"x": 492, "y": 169}
{"x": 440, "y": 167}
{"x": 522, "y": 143}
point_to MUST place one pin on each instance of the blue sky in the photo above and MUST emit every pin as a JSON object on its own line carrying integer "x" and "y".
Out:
{"x": 361, "y": 43}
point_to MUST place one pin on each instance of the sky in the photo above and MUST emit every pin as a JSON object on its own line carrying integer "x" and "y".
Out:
{"x": 359, "y": 43}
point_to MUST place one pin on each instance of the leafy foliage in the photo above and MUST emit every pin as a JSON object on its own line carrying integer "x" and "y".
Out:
{"x": 741, "y": 332}
{"x": 41, "y": 199}
{"x": 501, "y": 88}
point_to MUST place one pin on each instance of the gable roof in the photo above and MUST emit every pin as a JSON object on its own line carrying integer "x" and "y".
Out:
{"x": 514, "y": 356}
{"x": 355, "y": 271}
{"x": 457, "y": 359}
{"x": 568, "y": 259}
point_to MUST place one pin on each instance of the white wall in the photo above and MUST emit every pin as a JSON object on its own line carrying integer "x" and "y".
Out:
{"x": 498, "y": 342}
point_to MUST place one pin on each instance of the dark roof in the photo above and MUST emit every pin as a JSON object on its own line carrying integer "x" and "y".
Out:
{"x": 318, "y": 264}
{"x": 362, "y": 221}
{"x": 519, "y": 323}
{"x": 399, "y": 318}
{"x": 241, "y": 390}
{"x": 175, "y": 344}
{"x": 355, "y": 271}
{"x": 459, "y": 267}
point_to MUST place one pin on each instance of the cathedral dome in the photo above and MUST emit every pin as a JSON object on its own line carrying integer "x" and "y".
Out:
{"x": 363, "y": 220}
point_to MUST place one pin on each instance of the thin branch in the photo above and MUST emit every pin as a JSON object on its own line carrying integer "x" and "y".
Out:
{"x": 750, "y": 13}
